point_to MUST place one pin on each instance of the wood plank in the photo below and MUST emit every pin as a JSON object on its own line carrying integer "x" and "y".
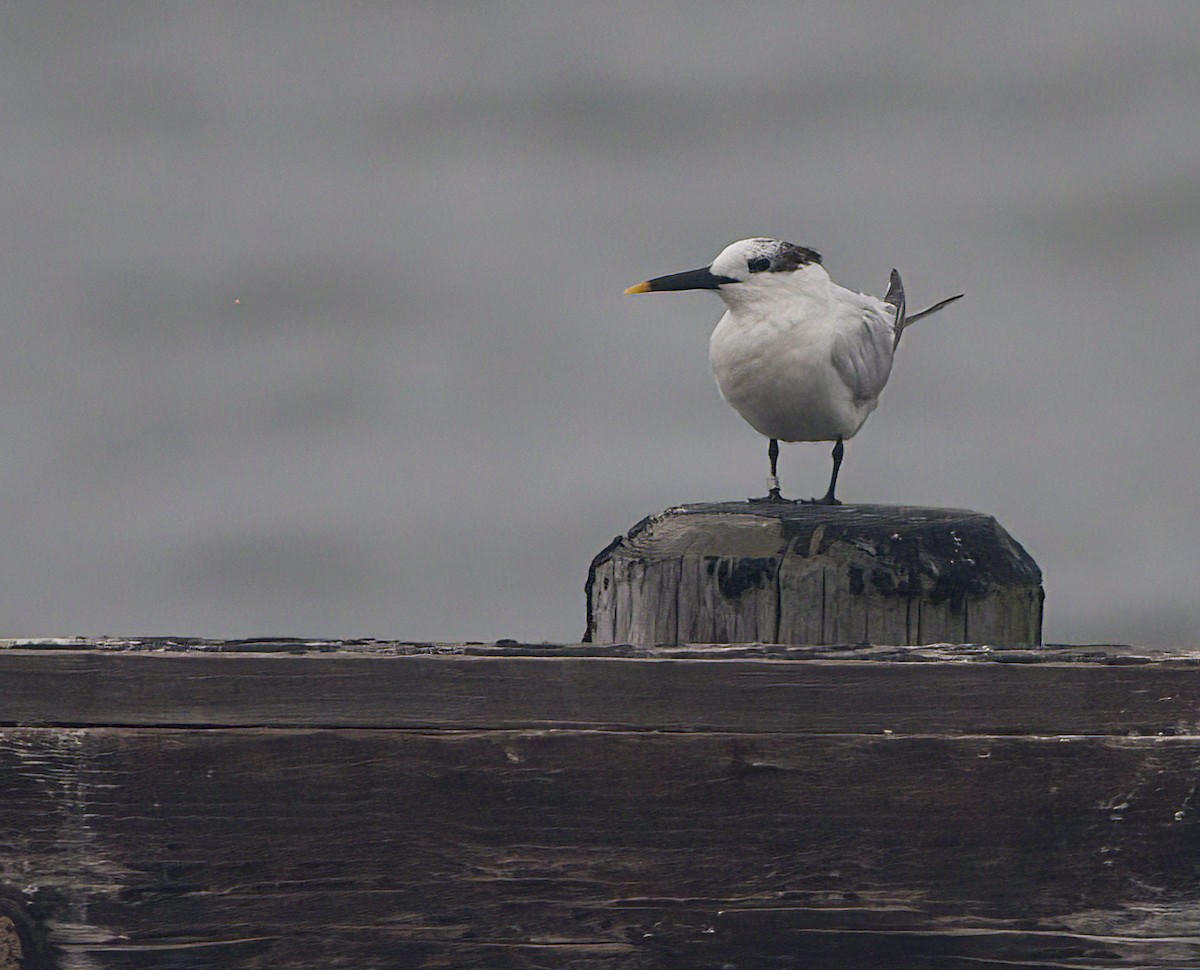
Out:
{"x": 571, "y": 806}
{"x": 948, "y": 691}
{"x": 263, "y": 848}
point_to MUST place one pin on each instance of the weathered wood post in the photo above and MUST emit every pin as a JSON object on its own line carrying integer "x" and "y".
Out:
{"x": 737, "y": 572}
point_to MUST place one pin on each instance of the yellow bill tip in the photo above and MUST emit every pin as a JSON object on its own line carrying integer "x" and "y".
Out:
{"x": 638, "y": 288}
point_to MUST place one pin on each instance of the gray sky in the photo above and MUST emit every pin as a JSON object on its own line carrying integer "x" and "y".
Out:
{"x": 313, "y": 318}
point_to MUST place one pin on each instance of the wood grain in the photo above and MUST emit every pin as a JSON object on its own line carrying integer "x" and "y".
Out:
{"x": 789, "y": 573}
{"x": 262, "y": 848}
{"x": 980, "y": 691}
{"x": 296, "y": 804}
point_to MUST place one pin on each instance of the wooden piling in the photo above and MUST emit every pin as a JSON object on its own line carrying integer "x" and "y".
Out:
{"x": 813, "y": 574}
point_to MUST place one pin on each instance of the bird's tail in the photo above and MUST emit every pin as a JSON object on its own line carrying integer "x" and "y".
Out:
{"x": 895, "y": 298}
{"x": 934, "y": 309}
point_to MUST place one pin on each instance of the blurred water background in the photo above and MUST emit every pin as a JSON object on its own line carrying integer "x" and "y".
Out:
{"x": 313, "y": 321}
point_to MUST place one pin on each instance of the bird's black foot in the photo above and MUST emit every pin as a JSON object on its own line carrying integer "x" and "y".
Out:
{"x": 774, "y": 496}
{"x": 839, "y": 450}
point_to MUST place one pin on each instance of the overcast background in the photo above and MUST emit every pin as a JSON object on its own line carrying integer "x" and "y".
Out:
{"x": 313, "y": 325}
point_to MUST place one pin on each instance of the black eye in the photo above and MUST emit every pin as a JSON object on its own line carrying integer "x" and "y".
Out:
{"x": 758, "y": 264}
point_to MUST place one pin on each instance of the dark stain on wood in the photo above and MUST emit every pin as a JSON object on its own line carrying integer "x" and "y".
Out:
{"x": 735, "y": 578}
{"x": 959, "y": 553}
{"x": 819, "y": 574}
{"x": 403, "y": 805}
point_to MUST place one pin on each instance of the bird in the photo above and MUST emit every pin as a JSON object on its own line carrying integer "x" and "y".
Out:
{"x": 798, "y": 356}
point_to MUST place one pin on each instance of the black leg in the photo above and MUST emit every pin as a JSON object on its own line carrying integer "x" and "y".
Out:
{"x": 838, "y": 451}
{"x": 773, "y": 457}
{"x": 773, "y": 493}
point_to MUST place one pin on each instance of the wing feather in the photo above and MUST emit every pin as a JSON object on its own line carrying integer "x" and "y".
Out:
{"x": 862, "y": 355}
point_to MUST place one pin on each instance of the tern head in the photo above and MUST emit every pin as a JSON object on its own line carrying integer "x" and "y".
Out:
{"x": 745, "y": 270}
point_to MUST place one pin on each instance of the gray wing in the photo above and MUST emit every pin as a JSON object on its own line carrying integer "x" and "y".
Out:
{"x": 862, "y": 354}
{"x": 895, "y": 298}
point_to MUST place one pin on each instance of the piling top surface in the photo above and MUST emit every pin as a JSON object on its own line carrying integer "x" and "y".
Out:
{"x": 937, "y": 542}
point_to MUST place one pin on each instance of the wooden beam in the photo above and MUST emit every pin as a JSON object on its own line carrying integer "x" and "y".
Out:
{"x": 961, "y": 690}
{"x": 294, "y": 804}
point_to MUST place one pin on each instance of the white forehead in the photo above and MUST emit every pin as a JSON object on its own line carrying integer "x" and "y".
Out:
{"x": 733, "y": 258}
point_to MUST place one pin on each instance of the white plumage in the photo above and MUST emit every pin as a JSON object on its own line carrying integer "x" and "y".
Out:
{"x": 799, "y": 357}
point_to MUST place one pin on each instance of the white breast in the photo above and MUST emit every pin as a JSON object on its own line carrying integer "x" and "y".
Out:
{"x": 775, "y": 365}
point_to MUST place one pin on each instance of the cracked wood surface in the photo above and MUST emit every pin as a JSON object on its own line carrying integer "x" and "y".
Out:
{"x": 793, "y": 573}
{"x": 376, "y": 805}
